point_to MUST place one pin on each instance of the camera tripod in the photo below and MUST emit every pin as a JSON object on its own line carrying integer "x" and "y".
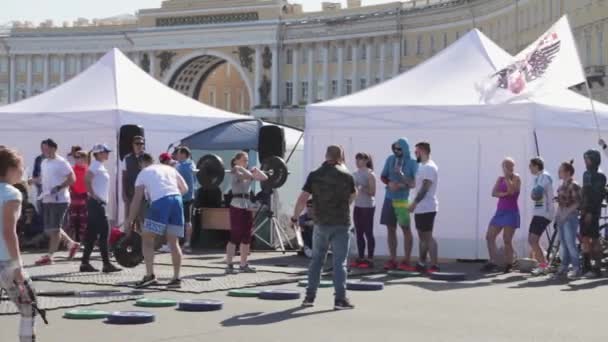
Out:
{"x": 276, "y": 228}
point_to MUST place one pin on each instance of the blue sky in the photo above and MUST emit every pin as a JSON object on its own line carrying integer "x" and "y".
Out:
{"x": 60, "y": 10}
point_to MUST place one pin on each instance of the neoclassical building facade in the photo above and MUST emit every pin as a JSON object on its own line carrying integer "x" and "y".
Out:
{"x": 269, "y": 58}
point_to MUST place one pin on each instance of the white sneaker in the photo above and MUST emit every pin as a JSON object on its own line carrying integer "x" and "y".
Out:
{"x": 307, "y": 252}
{"x": 573, "y": 275}
{"x": 539, "y": 271}
{"x": 165, "y": 249}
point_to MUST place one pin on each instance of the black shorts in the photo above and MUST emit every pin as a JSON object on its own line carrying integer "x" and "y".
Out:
{"x": 591, "y": 230}
{"x": 425, "y": 222}
{"x": 187, "y": 211}
{"x": 538, "y": 225}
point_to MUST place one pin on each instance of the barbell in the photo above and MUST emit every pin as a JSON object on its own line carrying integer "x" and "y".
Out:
{"x": 211, "y": 172}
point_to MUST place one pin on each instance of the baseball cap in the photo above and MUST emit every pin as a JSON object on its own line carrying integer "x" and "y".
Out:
{"x": 164, "y": 157}
{"x": 100, "y": 148}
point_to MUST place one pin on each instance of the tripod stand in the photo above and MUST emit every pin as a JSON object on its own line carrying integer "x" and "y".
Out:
{"x": 275, "y": 226}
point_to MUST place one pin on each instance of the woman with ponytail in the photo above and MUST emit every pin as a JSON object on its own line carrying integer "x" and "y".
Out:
{"x": 365, "y": 206}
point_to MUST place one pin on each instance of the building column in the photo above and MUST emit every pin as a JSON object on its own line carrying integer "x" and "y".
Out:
{"x": 295, "y": 77}
{"x": 45, "y": 72}
{"x": 381, "y": 70}
{"x": 396, "y": 56}
{"x": 340, "y": 68}
{"x": 311, "y": 74}
{"x": 354, "y": 66}
{"x": 368, "y": 65}
{"x": 62, "y": 68}
{"x": 152, "y": 58}
{"x": 28, "y": 70}
{"x": 275, "y": 76}
{"x": 257, "y": 81}
{"x": 325, "y": 72}
{"x": 12, "y": 82}
{"x": 78, "y": 64}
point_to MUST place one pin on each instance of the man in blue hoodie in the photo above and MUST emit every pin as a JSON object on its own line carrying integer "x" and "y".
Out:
{"x": 399, "y": 176}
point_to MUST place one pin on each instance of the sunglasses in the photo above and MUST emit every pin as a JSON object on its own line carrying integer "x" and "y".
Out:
{"x": 397, "y": 149}
{"x": 139, "y": 143}
{"x": 361, "y": 158}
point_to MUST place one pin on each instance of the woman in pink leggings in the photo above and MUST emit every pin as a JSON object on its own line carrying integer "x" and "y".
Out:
{"x": 506, "y": 218}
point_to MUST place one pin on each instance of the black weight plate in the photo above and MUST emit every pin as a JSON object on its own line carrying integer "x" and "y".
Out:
{"x": 200, "y": 305}
{"x": 277, "y": 172}
{"x": 130, "y": 317}
{"x": 127, "y": 251}
{"x": 210, "y": 171}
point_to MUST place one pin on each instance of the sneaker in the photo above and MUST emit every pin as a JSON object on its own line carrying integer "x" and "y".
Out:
{"x": 88, "y": 268}
{"x": 593, "y": 274}
{"x": 508, "y": 268}
{"x": 343, "y": 304}
{"x": 165, "y": 249}
{"x": 308, "y": 302}
{"x": 433, "y": 269}
{"x": 574, "y": 275}
{"x": 559, "y": 275}
{"x": 355, "y": 263}
{"x": 74, "y": 248}
{"x": 109, "y": 268}
{"x": 43, "y": 261}
{"x": 307, "y": 252}
{"x": 406, "y": 267}
{"x": 247, "y": 269}
{"x": 230, "y": 270}
{"x": 539, "y": 271}
{"x": 175, "y": 283}
{"x": 489, "y": 267}
{"x": 420, "y": 267}
{"x": 364, "y": 264}
{"x": 146, "y": 281}
{"x": 390, "y": 265}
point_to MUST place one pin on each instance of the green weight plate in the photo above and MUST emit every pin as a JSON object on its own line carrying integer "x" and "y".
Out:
{"x": 85, "y": 314}
{"x": 155, "y": 302}
{"x": 322, "y": 284}
{"x": 244, "y": 293}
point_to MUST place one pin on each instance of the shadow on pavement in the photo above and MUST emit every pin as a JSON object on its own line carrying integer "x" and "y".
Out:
{"x": 586, "y": 286}
{"x": 260, "y": 318}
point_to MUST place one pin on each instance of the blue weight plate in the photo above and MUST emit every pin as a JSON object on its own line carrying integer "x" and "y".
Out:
{"x": 130, "y": 317}
{"x": 279, "y": 294}
{"x": 449, "y": 276}
{"x": 200, "y": 305}
{"x": 364, "y": 286}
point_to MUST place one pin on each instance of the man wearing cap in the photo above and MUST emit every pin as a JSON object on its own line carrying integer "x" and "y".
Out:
{"x": 97, "y": 180}
{"x": 131, "y": 166}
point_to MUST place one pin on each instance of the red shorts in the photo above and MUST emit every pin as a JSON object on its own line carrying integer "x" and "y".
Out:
{"x": 241, "y": 225}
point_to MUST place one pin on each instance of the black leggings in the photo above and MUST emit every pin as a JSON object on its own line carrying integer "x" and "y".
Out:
{"x": 364, "y": 226}
{"x": 97, "y": 228}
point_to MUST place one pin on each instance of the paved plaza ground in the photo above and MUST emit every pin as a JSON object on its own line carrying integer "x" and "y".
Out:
{"x": 513, "y": 307}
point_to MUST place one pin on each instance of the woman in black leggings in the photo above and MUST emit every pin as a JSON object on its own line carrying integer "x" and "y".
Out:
{"x": 98, "y": 189}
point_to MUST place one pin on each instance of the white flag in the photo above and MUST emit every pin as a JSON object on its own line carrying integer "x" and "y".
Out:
{"x": 550, "y": 63}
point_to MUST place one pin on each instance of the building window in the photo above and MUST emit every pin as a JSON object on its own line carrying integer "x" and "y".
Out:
{"x": 288, "y": 92}
{"x": 588, "y": 56}
{"x": 3, "y": 97}
{"x": 227, "y": 101}
{"x": 289, "y": 56}
{"x": 377, "y": 80}
{"x": 37, "y": 65}
{"x": 419, "y": 45}
{"x": 21, "y": 64}
{"x": 445, "y": 40}
{"x": 241, "y": 102}
{"x": 3, "y": 64}
{"x": 228, "y": 70}
{"x": 71, "y": 65}
{"x": 304, "y": 90}
{"x": 320, "y": 89}
{"x": 334, "y": 54}
{"x": 55, "y": 65}
{"x": 349, "y": 87}
{"x": 363, "y": 52}
{"x": 432, "y": 44}
{"x": 305, "y": 56}
{"x": 349, "y": 53}
{"x": 600, "y": 46}
{"x": 320, "y": 54}
{"x": 334, "y": 88}
{"x": 457, "y": 35}
{"x": 404, "y": 47}
{"x": 362, "y": 83}
{"x": 378, "y": 49}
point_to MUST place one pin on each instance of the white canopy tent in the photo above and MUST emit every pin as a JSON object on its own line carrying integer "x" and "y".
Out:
{"x": 91, "y": 108}
{"x": 438, "y": 102}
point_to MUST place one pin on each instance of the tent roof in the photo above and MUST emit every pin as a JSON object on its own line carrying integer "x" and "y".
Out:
{"x": 115, "y": 83}
{"x": 236, "y": 135}
{"x": 447, "y": 78}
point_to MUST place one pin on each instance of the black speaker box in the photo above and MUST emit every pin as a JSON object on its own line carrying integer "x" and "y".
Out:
{"x": 271, "y": 142}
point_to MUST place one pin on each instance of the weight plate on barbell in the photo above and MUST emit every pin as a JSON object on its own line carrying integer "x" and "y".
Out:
{"x": 276, "y": 170}
{"x": 210, "y": 171}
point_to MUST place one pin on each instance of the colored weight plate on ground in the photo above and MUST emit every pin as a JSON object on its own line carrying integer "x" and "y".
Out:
{"x": 85, "y": 314}
{"x": 244, "y": 293}
{"x": 155, "y": 302}
{"x": 130, "y": 317}
{"x": 101, "y": 293}
{"x": 403, "y": 274}
{"x": 203, "y": 278}
{"x": 364, "y": 286}
{"x": 322, "y": 284}
{"x": 279, "y": 294}
{"x": 448, "y": 276}
{"x": 200, "y": 305}
{"x": 56, "y": 293}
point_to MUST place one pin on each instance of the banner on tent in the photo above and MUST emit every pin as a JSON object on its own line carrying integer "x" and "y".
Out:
{"x": 550, "y": 63}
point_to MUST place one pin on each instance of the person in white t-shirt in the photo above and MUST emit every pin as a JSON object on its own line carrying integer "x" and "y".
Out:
{"x": 57, "y": 176}
{"x": 543, "y": 211}
{"x": 425, "y": 207}
{"x": 165, "y": 217}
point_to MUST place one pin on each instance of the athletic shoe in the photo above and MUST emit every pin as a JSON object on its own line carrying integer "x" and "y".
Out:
{"x": 433, "y": 269}
{"x": 43, "y": 261}
{"x": 420, "y": 267}
{"x": 230, "y": 270}
{"x": 109, "y": 268}
{"x": 355, "y": 263}
{"x": 390, "y": 265}
{"x": 508, "y": 268}
{"x": 175, "y": 283}
{"x": 165, "y": 249}
{"x": 88, "y": 268}
{"x": 559, "y": 275}
{"x": 573, "y": 275}
{"x": 407, "y": 267}
{"x": 73, "y": 250}
{"x": 343, "y": 304}
{"x": 307, "y": 252}
{"x": 146, "y": 281}
{"x": 364, "y": 264}
{"x": 541, "y": 270}
{"x": 308, "y": 302}
{"x": 593, "y": 274}
{"x": 247, "y": 269}
{"x": 489, "y": 267}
